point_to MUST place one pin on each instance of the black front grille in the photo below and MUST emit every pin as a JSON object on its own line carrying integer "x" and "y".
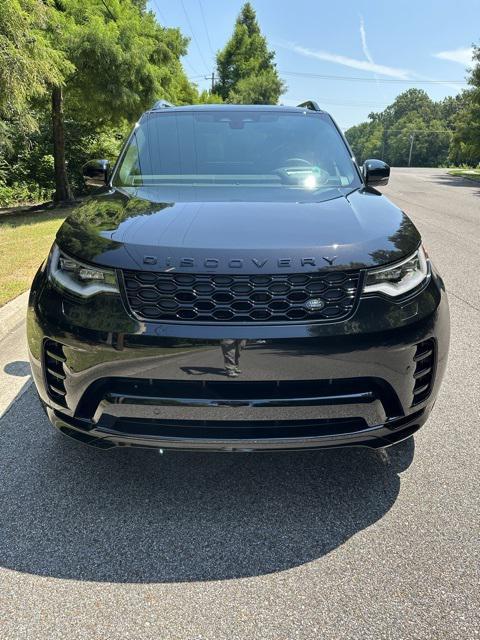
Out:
{"x": 424, "y": 370}
{"x": 54, "y": 371}
{"x": 241, "y": 298}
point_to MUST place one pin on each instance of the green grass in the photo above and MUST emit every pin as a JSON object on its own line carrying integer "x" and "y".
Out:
{"x": 25, "y": 240}
{"x": 472, "y": 174}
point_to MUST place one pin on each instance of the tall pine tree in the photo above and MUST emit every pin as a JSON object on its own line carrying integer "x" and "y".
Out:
{"x": 245, "y": 67}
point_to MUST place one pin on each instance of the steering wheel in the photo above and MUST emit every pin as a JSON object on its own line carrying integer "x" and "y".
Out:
{"x": 297, "y": 161}
{"x": 287, "y": 172}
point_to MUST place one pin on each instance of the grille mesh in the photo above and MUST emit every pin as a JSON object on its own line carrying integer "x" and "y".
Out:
{"x": 241, "y": 298}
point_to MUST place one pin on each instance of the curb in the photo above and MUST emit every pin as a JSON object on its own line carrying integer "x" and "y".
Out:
{"x": 13, "y": 314}
{"x": 9, "y": 405}
{"x": 26, "y": 209}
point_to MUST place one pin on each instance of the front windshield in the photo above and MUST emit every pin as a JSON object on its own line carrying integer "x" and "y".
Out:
{"x": 239, "y": 155}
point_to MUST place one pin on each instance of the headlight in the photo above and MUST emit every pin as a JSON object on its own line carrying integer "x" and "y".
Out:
{"x": 399, "y": 278}
{"x": 80, "y": 279}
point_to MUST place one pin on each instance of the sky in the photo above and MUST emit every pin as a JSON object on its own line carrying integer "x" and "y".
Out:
{"x": 391, "y": 46}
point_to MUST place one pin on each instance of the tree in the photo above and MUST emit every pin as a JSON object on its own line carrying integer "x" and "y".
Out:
{"x": 29, "y": 63}
{"x": 410, "y": 101}
{"x": 388, "y": 135}
{"x": 428, "y": 140}
{"x": 245, "y": 67}
{"x": 366, "y": 140}
{"x": 445, "y": 131}
{"x": 122, "y": 61}
{"x": 207, "y": 97}
{"x": 466, "y": 140}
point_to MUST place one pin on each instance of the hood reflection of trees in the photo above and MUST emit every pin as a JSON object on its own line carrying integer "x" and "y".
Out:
{"x": 85, "y": 232}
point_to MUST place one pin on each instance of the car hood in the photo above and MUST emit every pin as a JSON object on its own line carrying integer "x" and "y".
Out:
{"x": 136, "y": 231}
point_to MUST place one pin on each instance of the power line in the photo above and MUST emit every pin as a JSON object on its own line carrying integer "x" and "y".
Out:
{"x": 193, "y": 34}
{"x": 108, "y": 10}
{"x": 206, "y": 28}
{"x": 195, "y": 71}
{"x": 160, "y": 12}
{"x": 359, "y": 79}
{"x": 163, "y": 18}
{"x": 354, "y": 106}
{"x": 352, "y": 103}
{"x": 419, "y": 131}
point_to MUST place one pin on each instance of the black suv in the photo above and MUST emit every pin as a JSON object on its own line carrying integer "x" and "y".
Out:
{"x": 237, "y": 283}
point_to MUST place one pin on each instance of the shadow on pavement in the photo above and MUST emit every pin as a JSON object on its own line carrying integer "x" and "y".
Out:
{"x": 19, "y": 368}
{"x": 133, "y": 516}
{"x": 456, "y": 181}
{"x": 14, "y": 381}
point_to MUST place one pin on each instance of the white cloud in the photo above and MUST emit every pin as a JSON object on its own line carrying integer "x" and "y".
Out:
{"x": 463, "y": 55}
{"x": 362, "y": 65}
{"x": 365, "y": 49}
{"x": 363, "y": 37}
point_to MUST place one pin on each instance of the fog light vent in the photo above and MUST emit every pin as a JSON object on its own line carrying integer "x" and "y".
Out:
{"x": 53, "y": 358}
{"x": 424, "y": 370}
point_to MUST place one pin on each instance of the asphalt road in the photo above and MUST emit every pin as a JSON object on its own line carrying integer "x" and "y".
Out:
{"x": 334, "y": 545}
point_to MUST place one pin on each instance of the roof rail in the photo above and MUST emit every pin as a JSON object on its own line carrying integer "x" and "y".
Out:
{"x": 162, "y": 104}
{"x": 309, "y": 104}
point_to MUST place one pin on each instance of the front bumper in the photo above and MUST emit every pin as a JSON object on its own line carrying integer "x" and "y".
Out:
{"x": 109, "y": 380}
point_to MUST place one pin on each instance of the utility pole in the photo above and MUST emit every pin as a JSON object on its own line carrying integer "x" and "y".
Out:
{"x": 384, "y": 137}
{"x": 212, "y": 78}
{"x": 412, "y": 138}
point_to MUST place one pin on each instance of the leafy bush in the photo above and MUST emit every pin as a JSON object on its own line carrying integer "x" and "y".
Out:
{"x": 26, "y": 159}
{"x": 20, "y": 193}
{"x": 87, "y": 142}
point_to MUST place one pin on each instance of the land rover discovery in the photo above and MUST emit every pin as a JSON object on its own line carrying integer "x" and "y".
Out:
{"x": 236, "y": 282}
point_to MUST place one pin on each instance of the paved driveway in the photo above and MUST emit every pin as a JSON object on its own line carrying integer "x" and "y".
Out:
{"x": 333, "y": 545}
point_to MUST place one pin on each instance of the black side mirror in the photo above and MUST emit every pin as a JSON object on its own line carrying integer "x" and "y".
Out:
{"x": 95, "y": 173}
{"x": 375, "y": 173}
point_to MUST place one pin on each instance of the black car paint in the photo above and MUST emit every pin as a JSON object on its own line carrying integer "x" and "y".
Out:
{"x": 117, "y": 229}
{"x": 115, "y": 363}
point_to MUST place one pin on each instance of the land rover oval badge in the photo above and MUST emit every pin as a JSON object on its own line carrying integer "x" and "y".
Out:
{"x": 314, "y": 304}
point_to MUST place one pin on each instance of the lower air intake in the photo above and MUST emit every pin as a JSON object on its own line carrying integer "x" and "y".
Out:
{"x": 54, "y": 371}
{"x": 424, "y": 370}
